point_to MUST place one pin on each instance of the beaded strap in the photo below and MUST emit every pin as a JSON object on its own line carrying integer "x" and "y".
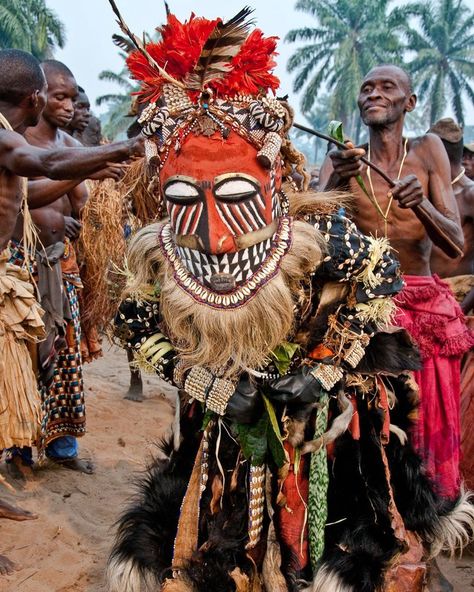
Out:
{"x": 327, "y": 375}
{"x": 204, "y": 386}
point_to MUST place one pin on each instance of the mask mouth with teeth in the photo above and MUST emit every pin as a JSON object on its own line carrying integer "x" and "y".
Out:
{"x": 226, "y": 232}
{"x": 216, "y": 141}
{"x": 229, "y": 279}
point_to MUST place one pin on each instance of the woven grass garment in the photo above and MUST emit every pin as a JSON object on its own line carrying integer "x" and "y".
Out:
{"x": 20, "y": 325}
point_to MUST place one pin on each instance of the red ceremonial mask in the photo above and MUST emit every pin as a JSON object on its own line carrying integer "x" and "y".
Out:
{"x": 215, "y": 138}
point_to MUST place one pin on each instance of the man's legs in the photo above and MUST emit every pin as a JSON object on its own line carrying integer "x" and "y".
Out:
{"x": 64, "y": 451}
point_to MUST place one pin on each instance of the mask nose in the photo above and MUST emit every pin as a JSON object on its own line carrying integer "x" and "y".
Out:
{"x": 214, "y": 233}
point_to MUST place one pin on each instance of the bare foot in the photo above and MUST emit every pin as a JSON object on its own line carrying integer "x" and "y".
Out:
{"x": 19, "y": 470}
{"x": 75, "y": 464}
{"x": 437, "y": 582}
{"x": 14, "y": 513}
{"x": 135, "y": 393}
{"x": 7, "y": 567}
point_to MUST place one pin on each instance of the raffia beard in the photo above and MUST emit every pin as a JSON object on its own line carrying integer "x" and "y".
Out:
{"x": 227, "y": 341}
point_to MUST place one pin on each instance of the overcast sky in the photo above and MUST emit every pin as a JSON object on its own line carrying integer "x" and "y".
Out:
{"x": 91, "y": 23}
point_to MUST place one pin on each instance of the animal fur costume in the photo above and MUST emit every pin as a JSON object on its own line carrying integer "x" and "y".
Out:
{"x": 289, "y": 466}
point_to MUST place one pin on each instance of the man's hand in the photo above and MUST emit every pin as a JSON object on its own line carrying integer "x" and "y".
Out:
{"x": 347, "y": 163}
{"x": 408, "y": 192}
{"x": 137, "y": 146}
{"x": 73, "y": 227}
{"x": 113, "y": 171}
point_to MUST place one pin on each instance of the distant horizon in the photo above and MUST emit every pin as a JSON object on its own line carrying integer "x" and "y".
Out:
{"x": 89, "y": 28}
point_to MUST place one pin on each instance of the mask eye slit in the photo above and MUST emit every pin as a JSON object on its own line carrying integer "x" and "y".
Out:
{"x": 235, "y": 189}
{"x": 181, "y": 192}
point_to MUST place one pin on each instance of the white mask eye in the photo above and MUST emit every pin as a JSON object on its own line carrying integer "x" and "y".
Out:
{"x": 235, "y": 190}
{"x": 181, "y": 192}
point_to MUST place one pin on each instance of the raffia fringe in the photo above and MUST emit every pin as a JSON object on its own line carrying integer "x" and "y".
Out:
{"x": 20, "y": 402}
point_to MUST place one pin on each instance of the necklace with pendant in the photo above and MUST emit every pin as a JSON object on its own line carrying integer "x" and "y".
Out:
{"x": 374, "y": 200}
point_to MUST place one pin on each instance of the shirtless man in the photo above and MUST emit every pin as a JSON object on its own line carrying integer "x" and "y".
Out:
{"x": 452, "y": 137}
{"x": 418, "y": 211}
{"x": 459, "y": 273}
{"x": 62, "y": 384}
{"x": 22, "y": 99}
{"x": 82, "y": 114}
{"x": 468, "y": 160}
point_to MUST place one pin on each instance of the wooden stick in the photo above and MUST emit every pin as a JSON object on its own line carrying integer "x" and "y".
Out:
{"x": 421, "y": 210}
{"x": 343, "y": 146}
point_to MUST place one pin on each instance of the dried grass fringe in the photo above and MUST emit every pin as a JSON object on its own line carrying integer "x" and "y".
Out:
{"x": 102, "y": 245}
{"x": 102, "y": 249}
{"x": 142, "y": 190}
{"x": 203, "y": 332}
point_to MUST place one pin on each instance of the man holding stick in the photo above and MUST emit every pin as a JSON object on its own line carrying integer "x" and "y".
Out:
{"x": 417, "y": 211}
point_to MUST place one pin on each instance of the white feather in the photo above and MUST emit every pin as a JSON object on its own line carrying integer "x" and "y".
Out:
{"x": 124, "y": 576}
{"x": 327, "y": 580}
{"x": 456, "y": 529}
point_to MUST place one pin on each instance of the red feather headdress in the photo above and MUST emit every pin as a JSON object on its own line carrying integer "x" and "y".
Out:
{"x": 207, "y": 54}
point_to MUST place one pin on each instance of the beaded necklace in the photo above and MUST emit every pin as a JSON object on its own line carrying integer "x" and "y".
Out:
{"x": 373, "y": 198}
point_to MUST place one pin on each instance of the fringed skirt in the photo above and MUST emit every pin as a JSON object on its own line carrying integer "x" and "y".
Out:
{"x": 20, "y": 326}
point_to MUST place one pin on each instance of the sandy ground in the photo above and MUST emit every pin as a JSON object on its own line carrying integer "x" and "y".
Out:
{"x": 66, "y": 549}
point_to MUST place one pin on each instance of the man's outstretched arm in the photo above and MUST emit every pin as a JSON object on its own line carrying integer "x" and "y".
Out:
{"x": 25, "y": 160}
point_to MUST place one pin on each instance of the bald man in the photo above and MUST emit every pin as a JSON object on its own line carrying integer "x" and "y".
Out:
{"x": 419, "y": 211}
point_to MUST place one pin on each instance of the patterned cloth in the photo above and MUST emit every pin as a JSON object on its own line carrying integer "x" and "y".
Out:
{"x": 428, "y": 310}
{"x": 63, "y": 397}
{"x": 62, "y": 394}
{"x": 91, "y": 343}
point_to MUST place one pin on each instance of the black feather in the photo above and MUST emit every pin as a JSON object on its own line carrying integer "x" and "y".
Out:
{"x": 123, "y": 43}
{"x": 221, "y": 46}
{"x": 390, "y": 353}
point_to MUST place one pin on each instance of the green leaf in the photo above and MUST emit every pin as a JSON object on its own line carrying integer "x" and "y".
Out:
{"x": 253, "y": 439}
{"x": 261, "y": 437}
{"x": 206, "y": 419}
{"x": 283, "y": 354}
{"x": 360, "y": 182}
{"x": 275, "y": 439}
{"x": 335, "y": 130}
{"x": 276, "y": 447}
{"x": 273, "y": 418}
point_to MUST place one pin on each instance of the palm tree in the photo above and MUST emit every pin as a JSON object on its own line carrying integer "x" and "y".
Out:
{"x": 117, "y": 118}
{"x": 30, "y": 25}
{"x": 122, "y": 106}
{"x": 444, "y": 63}
{"x": 350, "y": 37}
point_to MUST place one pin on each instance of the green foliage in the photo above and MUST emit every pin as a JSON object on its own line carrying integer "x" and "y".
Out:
{"x": 283, "y": 354}
{"x": 262, "y": 437}
{"x": 350, "y": 37}
{"x": 443, "y": 66}
{"x": 117, "y": 119}
{"x": 30, "y": 25}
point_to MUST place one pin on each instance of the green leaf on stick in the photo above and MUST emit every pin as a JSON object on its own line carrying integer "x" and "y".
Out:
{"x": 335, "y": 130}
